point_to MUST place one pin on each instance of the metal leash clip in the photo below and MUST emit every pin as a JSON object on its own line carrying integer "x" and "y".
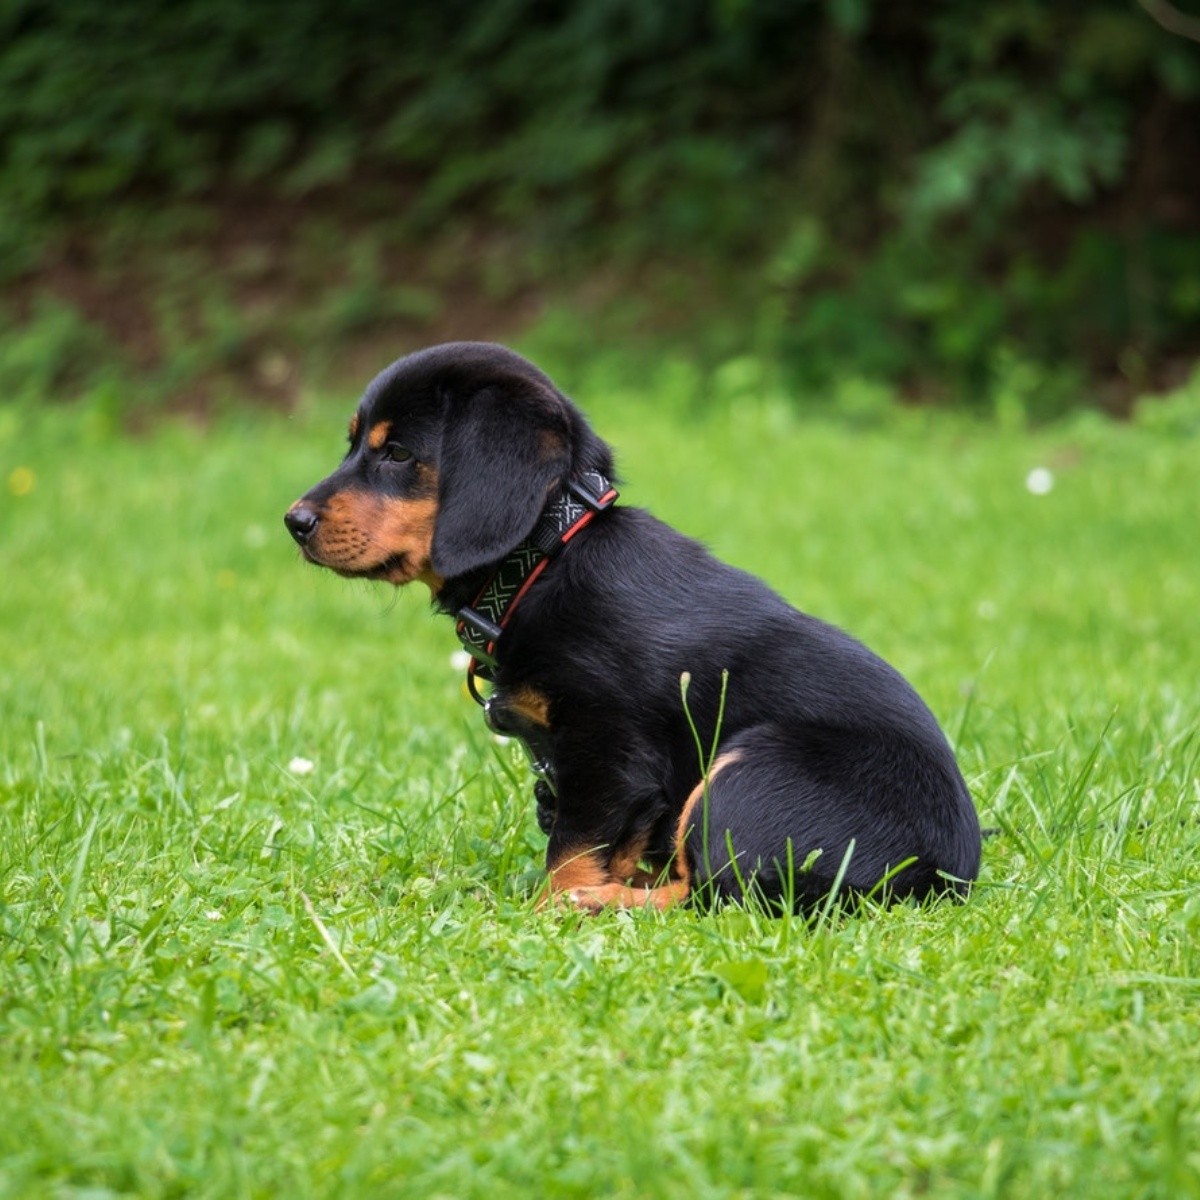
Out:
{"x": 503, "y": 720}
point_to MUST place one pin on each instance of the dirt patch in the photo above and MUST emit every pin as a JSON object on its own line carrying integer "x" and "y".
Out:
{"x": 242, "y": 296}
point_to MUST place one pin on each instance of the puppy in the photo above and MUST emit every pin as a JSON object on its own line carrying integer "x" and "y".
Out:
{"x": 798, "y": 764}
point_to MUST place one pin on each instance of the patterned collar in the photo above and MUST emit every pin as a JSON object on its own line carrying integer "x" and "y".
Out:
{"x": 481, "y": 623}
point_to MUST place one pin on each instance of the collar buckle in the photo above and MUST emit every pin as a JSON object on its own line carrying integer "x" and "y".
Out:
{"x": 478, "y": 634}
{"x": 594, "y": 499}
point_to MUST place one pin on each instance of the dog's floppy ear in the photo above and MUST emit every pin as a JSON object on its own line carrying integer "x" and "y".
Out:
{"x": 503, "y": 451}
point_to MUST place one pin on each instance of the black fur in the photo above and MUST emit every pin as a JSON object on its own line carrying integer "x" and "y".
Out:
{"x": 827, "y": 746}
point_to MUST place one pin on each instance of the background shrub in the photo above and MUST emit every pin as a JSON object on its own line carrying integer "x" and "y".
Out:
{"x": 918, "y": 194}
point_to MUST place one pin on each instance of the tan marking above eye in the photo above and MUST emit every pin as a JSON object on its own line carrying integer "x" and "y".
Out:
{"x": 379, "y": 435}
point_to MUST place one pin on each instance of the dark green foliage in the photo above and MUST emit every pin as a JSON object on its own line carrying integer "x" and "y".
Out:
{"x": 914, "y": 193}
{"x": 506, "y": 103}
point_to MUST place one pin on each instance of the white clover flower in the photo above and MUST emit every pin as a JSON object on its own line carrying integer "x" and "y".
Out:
{"x": 1039, "y": 481}
{"x": 460, "y": 660}
{"x": 301, "y": 766}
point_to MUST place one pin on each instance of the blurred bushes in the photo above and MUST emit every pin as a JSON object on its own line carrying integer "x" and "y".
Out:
{"x": 999, "y": 200}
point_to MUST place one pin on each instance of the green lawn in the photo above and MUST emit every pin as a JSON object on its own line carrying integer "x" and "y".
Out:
{"x": 222, "y": 976}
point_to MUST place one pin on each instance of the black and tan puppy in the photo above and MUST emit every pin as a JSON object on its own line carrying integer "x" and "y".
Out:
{"x": 469, "y": 470}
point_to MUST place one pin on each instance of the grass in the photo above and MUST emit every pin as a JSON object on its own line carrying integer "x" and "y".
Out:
{"x": 222, "y": 976}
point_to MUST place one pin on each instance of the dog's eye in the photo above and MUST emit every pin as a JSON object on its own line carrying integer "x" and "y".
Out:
{"x": 394, "y": 452}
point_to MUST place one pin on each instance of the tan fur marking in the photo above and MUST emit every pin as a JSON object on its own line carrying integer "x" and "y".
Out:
{"x": 533, "y": 705}
{"x": 379, "y": 434}
{"x": 689, "y": 805}
{"x": 359, "y": 533}
{"x": 625, "y": 866}
{"x": 354, "y": 427}
{"x": 581, "y": 877}
{"x": 616, "y": 895}
{"x": 573, "y": 869}
{"x": 578, "y": 869}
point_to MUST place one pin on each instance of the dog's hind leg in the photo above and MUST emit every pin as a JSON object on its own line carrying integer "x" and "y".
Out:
{"x": 786, "y": 818}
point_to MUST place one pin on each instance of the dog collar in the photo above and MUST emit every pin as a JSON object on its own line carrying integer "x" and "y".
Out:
{"x": 481, "y": 623}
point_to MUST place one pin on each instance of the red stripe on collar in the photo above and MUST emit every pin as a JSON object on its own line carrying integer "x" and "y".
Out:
{"x": 480, "y": 623}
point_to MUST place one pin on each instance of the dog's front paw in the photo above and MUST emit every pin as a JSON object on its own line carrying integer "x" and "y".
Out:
{"x": 588, "y": 900}
{"x": 597, "y": 898}
{"x": 547, "y": 806}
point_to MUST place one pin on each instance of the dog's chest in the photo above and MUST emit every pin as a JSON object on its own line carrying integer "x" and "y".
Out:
{"x": 524, "y": 714}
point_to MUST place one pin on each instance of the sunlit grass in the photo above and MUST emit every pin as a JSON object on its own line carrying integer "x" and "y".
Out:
{"x": 225, "y": 974}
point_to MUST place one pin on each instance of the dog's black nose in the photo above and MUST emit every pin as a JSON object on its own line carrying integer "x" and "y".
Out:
{"x": 301, "y": 521}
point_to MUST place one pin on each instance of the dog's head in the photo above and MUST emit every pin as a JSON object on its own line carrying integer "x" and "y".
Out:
{"x": 454, "y": 452}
